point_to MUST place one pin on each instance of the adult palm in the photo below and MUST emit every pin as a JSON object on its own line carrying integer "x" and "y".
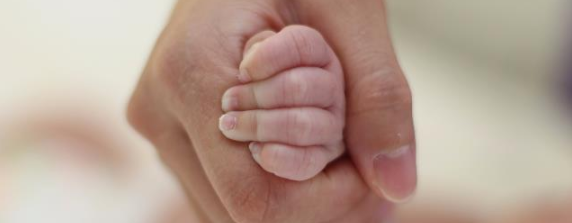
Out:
{"x": 177, "y": 105}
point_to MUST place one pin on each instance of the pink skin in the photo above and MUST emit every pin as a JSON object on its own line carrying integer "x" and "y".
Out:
{"x": 291, "y": 104}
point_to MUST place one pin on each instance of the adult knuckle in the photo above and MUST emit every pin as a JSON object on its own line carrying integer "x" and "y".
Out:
{"x": 143, "y": 114}
{"x": 168, "y": 65}
{"x": 135, "y": 115}
{"x": 384, "y": 89}
{"x": 142, "y": 123}
{"x": 175, "y": 69}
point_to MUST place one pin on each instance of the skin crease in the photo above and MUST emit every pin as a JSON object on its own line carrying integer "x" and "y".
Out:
{"x": 292, "y": 105}
{"x": 176, "y": 105}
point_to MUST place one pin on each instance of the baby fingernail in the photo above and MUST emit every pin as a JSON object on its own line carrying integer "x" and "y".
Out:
{"x": 229, "y": 101}
{"x": 227, "y": 122}
{"x": 396, "y": 174}
{"x": 255, "y": 150}
{"x": 243, "y": 75}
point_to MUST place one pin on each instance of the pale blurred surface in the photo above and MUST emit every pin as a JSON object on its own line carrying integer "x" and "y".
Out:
{"x": 484, "y": 77}
{"x": 490, "y": 127}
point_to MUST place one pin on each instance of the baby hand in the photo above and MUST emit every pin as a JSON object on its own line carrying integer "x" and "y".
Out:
{"x": 291, "y": 104}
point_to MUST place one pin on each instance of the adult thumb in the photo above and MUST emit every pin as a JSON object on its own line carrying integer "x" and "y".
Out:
{"x": 379, "y": 133}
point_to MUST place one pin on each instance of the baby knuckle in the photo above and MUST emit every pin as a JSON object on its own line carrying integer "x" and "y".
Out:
{"x": 297, "y": 87}
{"x": 305, "y": 126}
{"x": 307, "y": 41}
{"x": 254, "y": 121}
{"x": 298, "y": 126}
{"x": 331, "y": 85}
{"x": 338, "y": 134}
{"x": 331, "y": 128}
{"x": 334, "y": 127}
{"x": 304, "y": 35}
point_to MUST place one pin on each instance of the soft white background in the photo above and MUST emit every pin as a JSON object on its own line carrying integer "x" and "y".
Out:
{"x": 484, "y": 75}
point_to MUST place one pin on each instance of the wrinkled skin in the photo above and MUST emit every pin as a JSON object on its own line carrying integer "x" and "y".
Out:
{"x": 176, "y": 105}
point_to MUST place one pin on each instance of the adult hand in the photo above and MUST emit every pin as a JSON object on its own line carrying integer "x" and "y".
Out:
{"x": 177, "y": 105}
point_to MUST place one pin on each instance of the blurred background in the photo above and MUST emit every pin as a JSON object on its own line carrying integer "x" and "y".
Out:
{"x": 494, "y": 134}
